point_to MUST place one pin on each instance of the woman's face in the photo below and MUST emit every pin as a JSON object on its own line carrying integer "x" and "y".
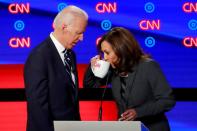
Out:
{"x": 109, "y": 54}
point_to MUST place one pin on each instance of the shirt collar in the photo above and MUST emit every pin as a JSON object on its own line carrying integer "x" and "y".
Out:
{"x": 57, "y": 44}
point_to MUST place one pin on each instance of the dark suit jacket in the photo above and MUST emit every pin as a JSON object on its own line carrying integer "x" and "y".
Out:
{"x": 49, "y": 91}
{"x": 147, "y": 91}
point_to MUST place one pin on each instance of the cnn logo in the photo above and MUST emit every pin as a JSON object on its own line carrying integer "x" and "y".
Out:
{"x": 189, "y": 7}
{"x": 190, "y": 42}
{"x": 106, "y": 7}
{"x": 149, "y": 24}
{"x": 16, "y": 8}
{"x": 19, "y": 42}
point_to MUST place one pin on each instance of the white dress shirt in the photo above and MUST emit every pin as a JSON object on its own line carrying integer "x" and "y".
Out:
{"x": 60, "y": 48}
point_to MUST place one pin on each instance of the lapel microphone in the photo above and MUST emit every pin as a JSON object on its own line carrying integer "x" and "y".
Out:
{"x": 103, "y": 94}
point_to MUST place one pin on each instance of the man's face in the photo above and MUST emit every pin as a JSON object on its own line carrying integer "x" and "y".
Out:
{"x": 74, "y": 32}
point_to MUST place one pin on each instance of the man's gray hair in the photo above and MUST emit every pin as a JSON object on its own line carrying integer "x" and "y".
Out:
{"x": 68, "y": 14}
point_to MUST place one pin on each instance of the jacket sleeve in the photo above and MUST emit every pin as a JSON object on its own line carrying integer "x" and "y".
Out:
{"x": 90, "y": 81}
{"x": 36, "y": 86}
{"x": 162, "y": 93}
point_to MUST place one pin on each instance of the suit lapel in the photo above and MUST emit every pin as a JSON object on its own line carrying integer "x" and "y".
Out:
{"x": 56, "y": 57}
{"x": 58, "y": 63}
{"x": 116, "y": 86}
{"x": 130, "y": 83}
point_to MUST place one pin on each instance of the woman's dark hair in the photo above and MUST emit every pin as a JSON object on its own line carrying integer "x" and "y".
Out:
{"x": 125, "y": 46}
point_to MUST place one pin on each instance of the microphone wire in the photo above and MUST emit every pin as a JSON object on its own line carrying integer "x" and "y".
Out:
{"x": 101, "y": 101}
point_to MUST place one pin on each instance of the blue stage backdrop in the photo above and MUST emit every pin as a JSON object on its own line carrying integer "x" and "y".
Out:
{"x": 166, "y": 29}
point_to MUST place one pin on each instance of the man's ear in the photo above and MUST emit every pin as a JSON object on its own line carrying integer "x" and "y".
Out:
{"x": 64, "y": 27}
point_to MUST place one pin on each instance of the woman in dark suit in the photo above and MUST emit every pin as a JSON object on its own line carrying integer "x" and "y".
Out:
{"x": 139, "y": 87}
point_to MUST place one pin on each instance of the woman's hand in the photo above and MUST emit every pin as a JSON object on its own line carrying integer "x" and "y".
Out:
{"x": 94, "y": 60}
{"x": 128, "y": 115}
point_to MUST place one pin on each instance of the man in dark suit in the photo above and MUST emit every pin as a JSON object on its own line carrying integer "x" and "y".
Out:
{"x": 50, "y": 73}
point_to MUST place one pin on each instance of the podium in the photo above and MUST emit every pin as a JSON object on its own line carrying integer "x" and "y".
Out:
{"x": 99, "y": 126}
